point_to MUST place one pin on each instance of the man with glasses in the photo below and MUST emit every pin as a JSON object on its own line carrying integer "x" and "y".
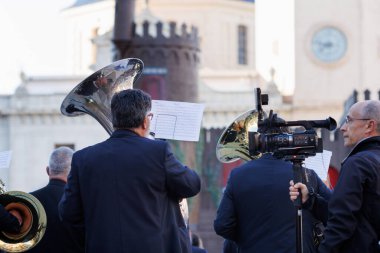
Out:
{"x": 126, "y": 190}
{"x": 353, "y": 223}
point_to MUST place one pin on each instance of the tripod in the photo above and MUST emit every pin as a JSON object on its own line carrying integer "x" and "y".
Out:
{"x": 297, "y": 175}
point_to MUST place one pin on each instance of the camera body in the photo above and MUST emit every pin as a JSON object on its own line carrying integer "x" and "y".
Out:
{"x": 286, "y": 145}
{"x": 273, "y": 135}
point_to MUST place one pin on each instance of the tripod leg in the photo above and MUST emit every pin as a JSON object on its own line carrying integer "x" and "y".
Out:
{"x": 299, "y": 233}
{"x": 297, "y": 171}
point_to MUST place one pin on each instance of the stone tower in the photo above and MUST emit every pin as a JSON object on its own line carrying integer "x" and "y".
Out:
{"x": 170, "y": 60}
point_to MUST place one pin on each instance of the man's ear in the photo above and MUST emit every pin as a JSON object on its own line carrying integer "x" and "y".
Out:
{"x": 47, "y": 170}
{"x": 372, "y": 126}
{"x": 145, "y": 123}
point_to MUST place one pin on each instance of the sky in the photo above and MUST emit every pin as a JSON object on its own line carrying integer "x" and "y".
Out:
{"x": 31, "y": 40}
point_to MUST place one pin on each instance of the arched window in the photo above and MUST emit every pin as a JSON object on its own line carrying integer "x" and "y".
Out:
{"x": 154, "y": 85}
{"x": 242, "y": 45}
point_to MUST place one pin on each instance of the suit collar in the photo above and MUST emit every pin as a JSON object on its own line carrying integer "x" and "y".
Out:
{"x": 56, "y": 182}
{"x": 365, "y": 144}
{"x": 120, "y": 133}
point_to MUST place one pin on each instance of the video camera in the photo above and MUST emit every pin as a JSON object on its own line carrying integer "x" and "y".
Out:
{"x": 273, "y": 134}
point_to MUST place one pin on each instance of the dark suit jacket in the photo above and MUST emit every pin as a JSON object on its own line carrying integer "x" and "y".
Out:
{"x": 353, "y": 224}
{"x": 124, "y": 189}
{"x": 58, "y": 238}
{"x": 256, "y": 211}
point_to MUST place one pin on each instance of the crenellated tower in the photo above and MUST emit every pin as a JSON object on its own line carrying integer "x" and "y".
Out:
{"x": 170, "y": 54}
{"x": 170, "y": 60}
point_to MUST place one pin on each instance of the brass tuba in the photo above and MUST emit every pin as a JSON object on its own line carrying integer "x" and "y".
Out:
{"x": 33, "y": 216}
{"x": 233, "y": 144}
{"x": 93, "y": 96}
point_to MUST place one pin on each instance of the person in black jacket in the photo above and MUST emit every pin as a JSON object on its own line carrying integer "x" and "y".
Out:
{"x": 126, "y": 189}
{"x": 255, "y": 211}
{"x": 353, "y": 223}
{"x": 58, "y": 237}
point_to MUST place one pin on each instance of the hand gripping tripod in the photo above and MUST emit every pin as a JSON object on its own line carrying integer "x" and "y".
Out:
{"x": 297, "y": 161}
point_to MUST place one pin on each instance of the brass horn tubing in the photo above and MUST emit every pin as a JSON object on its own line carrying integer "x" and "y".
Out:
{"x": 38, "y": 225}
{"x": 233, "y": 143}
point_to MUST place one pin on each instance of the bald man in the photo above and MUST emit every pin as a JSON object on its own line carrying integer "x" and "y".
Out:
{"x": 353, "y": 223}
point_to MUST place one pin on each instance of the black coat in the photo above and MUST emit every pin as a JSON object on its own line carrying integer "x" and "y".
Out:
{"x": 58, "y": 238}
{"x": 354, "y": 208}
{"x": 256, "y": 211}
{"x": 126, "y": 191}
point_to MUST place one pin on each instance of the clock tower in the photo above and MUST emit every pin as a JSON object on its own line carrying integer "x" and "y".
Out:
{"x": 321, "y": 51}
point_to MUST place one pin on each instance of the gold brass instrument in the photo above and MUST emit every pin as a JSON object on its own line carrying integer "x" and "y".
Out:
{"x": 34, "y": 220}
{"x": 233, "y": 143}
{"x": 93, "y": 96}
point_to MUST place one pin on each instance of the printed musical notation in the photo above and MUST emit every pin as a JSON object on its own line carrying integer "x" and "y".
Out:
{"x": 176, "y": 120}
{"x": 319, "y": 163}
{"x": 5, "y": 159}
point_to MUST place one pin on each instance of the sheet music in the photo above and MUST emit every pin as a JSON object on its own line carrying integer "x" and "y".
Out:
{"x": 319, "y": 163}
{"x": 5, "y": 159}
{"x": 176, "y": 120}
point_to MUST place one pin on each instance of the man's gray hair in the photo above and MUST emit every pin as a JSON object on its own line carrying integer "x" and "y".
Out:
{"x": 372, "y": 111}
{"x": 60, "y": 160}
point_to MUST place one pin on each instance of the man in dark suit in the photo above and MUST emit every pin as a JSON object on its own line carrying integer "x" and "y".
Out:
{"x": 123, "y": 189}
{"x": 255, "y": 211}
{"x": 352, "y": 213}
{"x": 58, "y": 238}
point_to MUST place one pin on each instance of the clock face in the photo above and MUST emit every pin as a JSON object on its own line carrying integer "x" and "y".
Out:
{"x": 329, "y": 44}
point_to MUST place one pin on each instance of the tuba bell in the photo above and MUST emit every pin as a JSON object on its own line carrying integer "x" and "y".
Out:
{"x": 33, "y": 216}
{"x": 233, "y": 143}
{"x": 93, "y": 95}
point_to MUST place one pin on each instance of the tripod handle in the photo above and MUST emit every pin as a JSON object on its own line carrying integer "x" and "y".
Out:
{"x": 297, "y": 178}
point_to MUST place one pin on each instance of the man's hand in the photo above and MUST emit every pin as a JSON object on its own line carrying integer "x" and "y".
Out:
{"x": 294, "y": 193}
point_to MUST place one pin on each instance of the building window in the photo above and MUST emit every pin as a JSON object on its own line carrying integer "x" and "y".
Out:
{"x": 242, "y": 45}
{"x": 69, "y": 145}
{"x": 155, "y": 86}
{"x": 94, "y": 49}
